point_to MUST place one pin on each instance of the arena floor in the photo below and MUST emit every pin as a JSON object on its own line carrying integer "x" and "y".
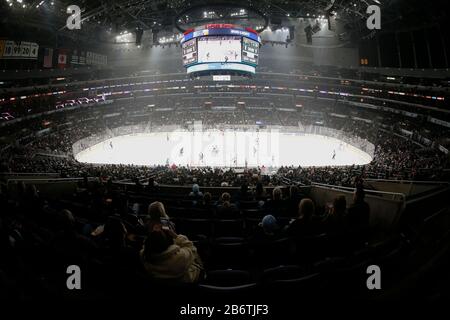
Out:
{"x": 224, "y": 149}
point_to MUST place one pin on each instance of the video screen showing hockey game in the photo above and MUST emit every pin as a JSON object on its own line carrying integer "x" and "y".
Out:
{"x": 219, "y": 49}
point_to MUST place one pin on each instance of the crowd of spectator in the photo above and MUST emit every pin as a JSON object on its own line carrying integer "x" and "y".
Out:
{"x": 134, "y": 246}
{"x": 111, "y": 233}
{"x": 395, "y": 156}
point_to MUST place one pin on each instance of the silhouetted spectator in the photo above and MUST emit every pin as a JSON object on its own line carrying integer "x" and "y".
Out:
{"x": 196, "y": 195}
{"x": 294, "y": 198}
{"x": 226, "y": 209}
{"x": 267, "y": 230}
{"x": 335, "y": 219}
{"x": 172, "y": 257}
{"x": 157, "y": 215}
{"x": 260, "y": 192}
{"x": 243, "y": 194}
{"x": 358, "y": 216}
{"x": 207, "y": 203}
{"x": 276, "y": 206}
{"x": 301, "y": 225}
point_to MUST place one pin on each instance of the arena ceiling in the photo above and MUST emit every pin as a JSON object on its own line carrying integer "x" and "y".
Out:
{"x": 117, "y": 15}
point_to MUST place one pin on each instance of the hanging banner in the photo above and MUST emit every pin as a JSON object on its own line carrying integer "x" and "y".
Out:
{"x": 62, "y": 58}
{"x": 18, "y": 50}
{"x": 2, "y": 48}
{"x": 48, "y": 58}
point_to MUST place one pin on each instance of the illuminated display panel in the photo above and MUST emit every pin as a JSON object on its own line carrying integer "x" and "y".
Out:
{"x": 219, "y": 49}
{"x": 250, "y": 51}
{"x": 189, "y": 52}
{"x": 221, "y": 66}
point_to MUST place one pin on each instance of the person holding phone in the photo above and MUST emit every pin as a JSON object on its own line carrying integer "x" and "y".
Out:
{"x": 157, "y": 216}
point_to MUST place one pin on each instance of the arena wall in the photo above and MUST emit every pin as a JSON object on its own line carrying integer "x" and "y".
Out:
{"x": 385, "y": 209}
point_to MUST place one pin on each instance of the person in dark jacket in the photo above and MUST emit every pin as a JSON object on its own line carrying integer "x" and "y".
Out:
{"x": 358, "y": 215}
{"x": 226, "y": 209}
{"x": 301, "y": 225}
{"x": 335, "y": 219}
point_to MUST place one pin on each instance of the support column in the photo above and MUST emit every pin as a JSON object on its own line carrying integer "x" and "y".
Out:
{"x": 380, "y": 65}
{"x": 411, "y": 34}
{"x": 398, "y": 50}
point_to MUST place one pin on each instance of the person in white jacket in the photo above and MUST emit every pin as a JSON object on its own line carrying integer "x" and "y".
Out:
{"x": 169, "y": 256}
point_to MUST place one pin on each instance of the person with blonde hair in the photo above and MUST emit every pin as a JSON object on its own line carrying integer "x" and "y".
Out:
{"x": 157, "y": 216}
{"x": 156, "y": 210}
{"x": 277, "y": 205}
{"x": 301, "y": 225}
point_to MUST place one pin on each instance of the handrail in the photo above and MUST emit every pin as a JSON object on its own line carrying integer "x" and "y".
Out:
{"x": 294, "y": 75}
{"x": 427, "y": 195}
{"x": 408, "y": 181}
{"x": 348, "y": 189}
{"x": 51, "y": 179}
{"x": 28, "y": 173}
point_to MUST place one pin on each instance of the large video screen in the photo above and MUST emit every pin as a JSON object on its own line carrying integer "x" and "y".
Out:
{"x": 219, "y": 49}
{"x": 250, "y": 51}
{"x": 189, "y": 52}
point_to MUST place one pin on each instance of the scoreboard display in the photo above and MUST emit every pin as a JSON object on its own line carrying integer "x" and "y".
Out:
{"x": 220, "y": 48}
{"x": 189, "y": 52}
{"x": 250, "y": 51}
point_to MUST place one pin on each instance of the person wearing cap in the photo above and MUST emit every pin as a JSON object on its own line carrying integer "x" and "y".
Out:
{"x": 270, "y": 225}
{"x": 195, "y": 193}
{"x": 267, "y": 230}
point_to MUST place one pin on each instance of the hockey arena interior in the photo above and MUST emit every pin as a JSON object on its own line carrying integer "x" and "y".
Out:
{"x": 221, "y": 151}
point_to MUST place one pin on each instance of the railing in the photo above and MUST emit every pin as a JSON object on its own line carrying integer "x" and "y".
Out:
{"x": 384, "y": 194}
{"x": 409, "y": 181}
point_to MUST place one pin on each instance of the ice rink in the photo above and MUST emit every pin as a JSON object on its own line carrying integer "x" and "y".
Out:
{"x": 224, "y": 149}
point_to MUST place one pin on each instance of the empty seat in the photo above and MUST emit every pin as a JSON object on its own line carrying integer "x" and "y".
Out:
{"x": 253, "y": 213}
{"x": 230, "y": 252}
{"x": 311, "y": 248}
{"x": 243, "y": 205}
{"x": 272, "y": 253}
{"x": 282, "y": 272}
{"x": 290, "y": 278}
{"x": 231, "y": 283}
{"x": 227, "y": 278}
{"x": 235, "y": 291}
{"x": 228, "y": 228}
{"x": 194, "y": 227}
{"x": 251, "y": 224}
